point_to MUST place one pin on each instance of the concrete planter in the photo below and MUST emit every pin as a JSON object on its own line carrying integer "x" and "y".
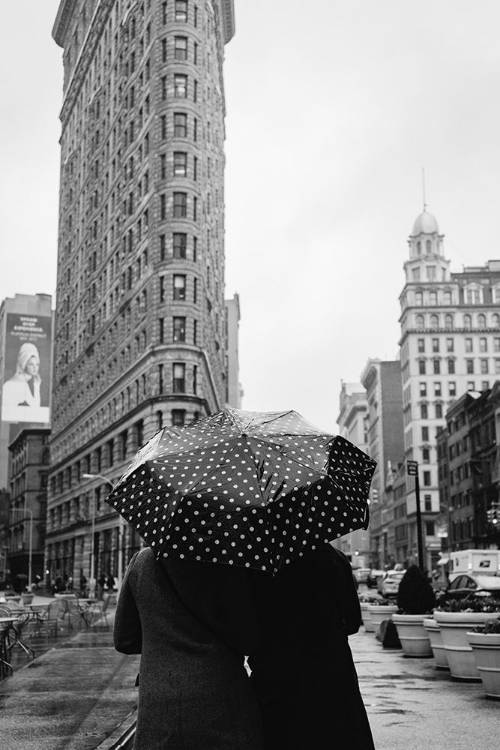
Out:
{"x": 27, "y": 598}
{"x": 486, "y": 650}
{"x": 454, "y": 627}
{"x": 414, "y": 637}
{"x": 366, "y": 617}
{"x": 379, "y": 612}
{"x": 436, "y": 641}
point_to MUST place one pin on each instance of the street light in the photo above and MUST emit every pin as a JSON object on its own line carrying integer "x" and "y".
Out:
{"x": 30, "y": 558}
{"x": 119, "y": 574}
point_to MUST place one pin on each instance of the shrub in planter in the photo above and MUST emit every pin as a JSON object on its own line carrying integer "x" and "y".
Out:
{"x": 470, "y": 603}
{"x": 490, "y": 626}
{"x": 388, "y": 635}
{"x": 415, "y": 595}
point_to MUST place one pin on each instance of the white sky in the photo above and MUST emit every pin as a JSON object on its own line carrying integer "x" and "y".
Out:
{"x": 333, "y": 110}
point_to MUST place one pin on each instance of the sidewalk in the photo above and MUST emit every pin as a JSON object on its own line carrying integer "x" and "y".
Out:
{"x": 81, "y": 695}
{"x": 73, "y": 696}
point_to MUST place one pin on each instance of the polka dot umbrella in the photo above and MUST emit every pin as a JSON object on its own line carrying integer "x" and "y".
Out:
{"x": 254, "y": 489}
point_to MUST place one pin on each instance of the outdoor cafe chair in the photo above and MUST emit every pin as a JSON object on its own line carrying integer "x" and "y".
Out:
{"x": 98, "y": 612}
{"x": 53, "y": 619}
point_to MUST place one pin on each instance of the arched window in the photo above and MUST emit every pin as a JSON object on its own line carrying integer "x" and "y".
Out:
{"x": 433, "y": 298}
{"x": 447, "y": 298}
{"x": 419, "y": 247}
{"x": 420, "y": 321}
{"x": 495, "y": 320}
{"x": 467, "y": 322}
{"x": 481, "y": 321}
{"x": 434, "y": 321}
{"x": 448, "y": 321}
{"x": 419, "y": 298}
{"x": 428, "y": 246}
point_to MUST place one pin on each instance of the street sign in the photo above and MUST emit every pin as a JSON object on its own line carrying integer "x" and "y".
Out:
{"x": 412, "y": 468}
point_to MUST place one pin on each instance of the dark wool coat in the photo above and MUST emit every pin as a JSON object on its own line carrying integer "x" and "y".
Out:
{"x": 303, "y": 673}
{"x": 192, "y": 623}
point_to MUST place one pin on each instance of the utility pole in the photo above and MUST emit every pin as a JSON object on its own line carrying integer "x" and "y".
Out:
{"x": 412, "y": 471}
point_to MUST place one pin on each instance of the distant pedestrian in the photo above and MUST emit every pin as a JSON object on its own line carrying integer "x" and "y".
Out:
{"x": 110, "y": 582}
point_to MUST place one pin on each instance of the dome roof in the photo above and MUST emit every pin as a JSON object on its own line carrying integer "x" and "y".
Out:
{"x": 425, "y": 224}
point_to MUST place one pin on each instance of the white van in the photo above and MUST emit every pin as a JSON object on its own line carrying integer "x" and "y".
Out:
{"x": 476, "y": 562}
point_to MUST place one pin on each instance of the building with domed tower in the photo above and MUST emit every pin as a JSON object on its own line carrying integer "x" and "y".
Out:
{"x": 450, "y": 344}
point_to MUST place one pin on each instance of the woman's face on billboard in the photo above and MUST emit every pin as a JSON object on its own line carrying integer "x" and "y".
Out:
{"x": 32, "y": 367}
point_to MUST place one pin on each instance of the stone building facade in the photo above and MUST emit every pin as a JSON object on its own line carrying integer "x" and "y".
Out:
{"x": 140, "y": 331}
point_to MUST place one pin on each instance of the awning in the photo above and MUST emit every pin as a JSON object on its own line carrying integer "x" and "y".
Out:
{"x": 443, "y": 561}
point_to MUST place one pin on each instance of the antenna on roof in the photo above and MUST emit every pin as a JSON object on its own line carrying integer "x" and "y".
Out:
{"x": 423, "y": 187}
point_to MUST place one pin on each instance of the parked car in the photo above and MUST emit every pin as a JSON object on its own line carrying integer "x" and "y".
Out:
{"x": 361, "y": 574}
{"x": 388, "y": 584}
{"x": 373, "y": 578}
{"x": 466, "y": 584}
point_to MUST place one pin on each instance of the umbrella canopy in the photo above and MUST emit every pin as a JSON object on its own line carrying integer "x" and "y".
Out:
{"x": 255, "y": 489}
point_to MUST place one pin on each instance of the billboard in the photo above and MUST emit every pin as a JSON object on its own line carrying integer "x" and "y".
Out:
{"x": 27, "y": 368}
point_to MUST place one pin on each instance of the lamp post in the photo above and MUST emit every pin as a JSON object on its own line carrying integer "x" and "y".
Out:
{"x": 119, "y": 573}
{"x": 30, "y": 553}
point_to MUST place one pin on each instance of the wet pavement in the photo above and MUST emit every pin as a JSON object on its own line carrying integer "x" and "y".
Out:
{"x": 79, "y": 694}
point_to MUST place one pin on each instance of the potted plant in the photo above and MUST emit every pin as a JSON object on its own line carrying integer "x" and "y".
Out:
{"x": 380, "y": 610}
{"x": 455, "y": 619}
{"x": 415, "y": 600}
{"x": 485, "y": 643}
{"x": 364, "y": 602}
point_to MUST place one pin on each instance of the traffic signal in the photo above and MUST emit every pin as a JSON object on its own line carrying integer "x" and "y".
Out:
{"x": 493, "y": 514}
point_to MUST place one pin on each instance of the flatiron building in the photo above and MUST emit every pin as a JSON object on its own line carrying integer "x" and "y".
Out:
{"x": 140, "y": 324}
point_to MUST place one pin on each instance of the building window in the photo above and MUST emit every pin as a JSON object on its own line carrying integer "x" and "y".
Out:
{"x": 448, "y": 321}
{"x": 427, "y": 478}
{"x": 423, "y": 411}
{"x": 485, "y": 385}
{"x": 426, "y": 455}
{"x": 483, "y": 345}
{"x": 162, "y": 288}
{"x": 181, "y": 10}
{"x": 180, "y": 245}
{"x": 469, "y": 366}
{"x": 497, "y": 366}
{"x": 161, "y": 330}
{"x": 439, "y": 411}
{"x": 180, "y": 163}
{"x": 436, "y": 367}
{"x": 467, "y": 322}
{"x": 180, "y": 86}
{"x": 481, "y": 321}
{"x": 419, "y": 299}
{"x": 447, "y": 298}
{"x": 421, "y": 367}
{"x": 437, "y": 389}
{"x": 163, "y": 169}
{"x": 180, "y": 205}
{"x": 471, "y": 386}
{"x": 472, "y": 296}
{"x": 452, "y": 389}
{"x": 178, "y": 417}
{"x": 449, "y": 345}
{"x": 195, "y": 332}
{"x": 195, "y": 379}
{"x": 433, "y": 298}
{"x": 425, "y": 434}
{"x": 423, "y": 389}
{"x": 451, "y": 367}
{"x": 421, "y": 346}
{"x": 179, "y": 287}
{"x": 180, "y": 125}
{"x": 180, "y": 48}
{"x": 179, "y": 326}
{"x": 434, "y": 321}
{"x": 495, "y": 319}
{"x": 468, "y": 345}
{"x": 431, "y": 271}
{"x": 496, "y": 344}
{"x": 435, "y": 345}
{"x": 179, "y": 377}
{"x": 427, "y": 503}
{"x": 429, "y": 528}
{"x": 484, "y": 366}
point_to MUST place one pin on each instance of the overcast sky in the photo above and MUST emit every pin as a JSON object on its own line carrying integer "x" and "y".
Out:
{"x": 333, "y": 110}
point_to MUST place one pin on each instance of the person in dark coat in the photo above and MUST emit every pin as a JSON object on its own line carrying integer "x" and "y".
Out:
{"x": 193, "y": 623}
{"x": 303, "y": 673}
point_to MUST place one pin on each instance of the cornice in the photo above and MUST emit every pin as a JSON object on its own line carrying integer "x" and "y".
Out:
{"x": 228, "y": 20}
{"x": 62, "y": 21}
